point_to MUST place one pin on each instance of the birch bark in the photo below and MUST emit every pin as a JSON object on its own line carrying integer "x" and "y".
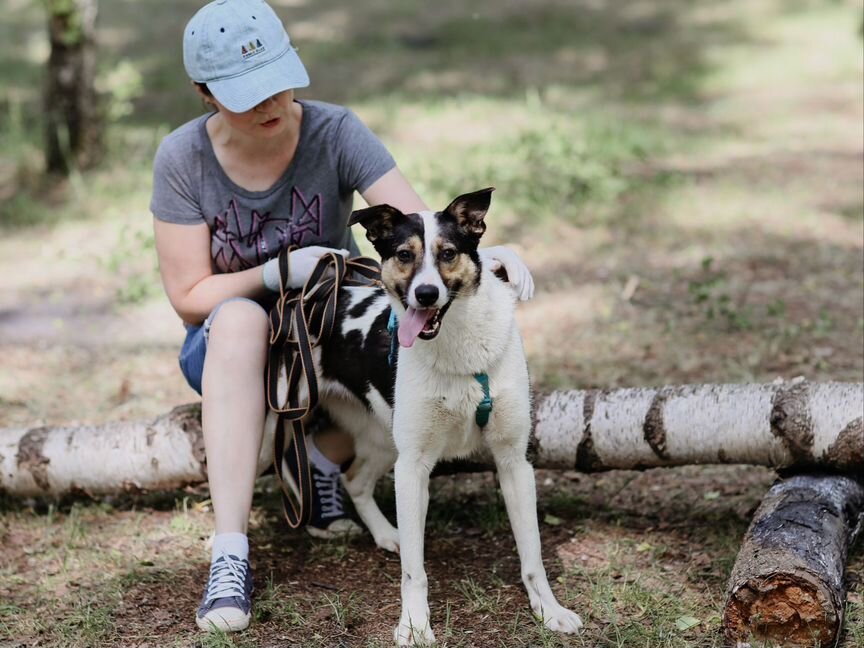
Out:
{"x": 780, "y": 425}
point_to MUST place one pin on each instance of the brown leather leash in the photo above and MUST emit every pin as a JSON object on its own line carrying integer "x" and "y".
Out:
{"x": 301, "y": 320}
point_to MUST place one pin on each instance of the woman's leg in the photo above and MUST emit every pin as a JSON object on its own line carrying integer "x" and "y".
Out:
{"x": 233, "y": 409}
{"x": 335, "y": 444}
{"x": 232, "y": 417}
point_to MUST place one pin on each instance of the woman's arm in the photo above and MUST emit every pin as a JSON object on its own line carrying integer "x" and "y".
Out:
{"x": 184, "y": 263}
{"x": 393, "y": 189}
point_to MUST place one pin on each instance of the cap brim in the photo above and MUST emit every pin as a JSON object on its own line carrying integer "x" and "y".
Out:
{"x": 245, "y": 91}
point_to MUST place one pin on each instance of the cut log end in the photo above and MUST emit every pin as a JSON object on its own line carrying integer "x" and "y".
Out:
{"x": 786, "y": 586}
{"x": 789, "y": 610}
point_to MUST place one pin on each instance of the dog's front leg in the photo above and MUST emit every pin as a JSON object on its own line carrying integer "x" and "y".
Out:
{"x": 412, "y": 501}
{"x": 360, "y": 484}
{"x": 518, "y": 487}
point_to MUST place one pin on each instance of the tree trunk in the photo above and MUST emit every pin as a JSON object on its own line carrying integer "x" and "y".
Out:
{"x": 160, "y": 454}
{"x": 778, "y": 425}
{"x": 787, "y": 583}
{"x": 781, "y": 425}
{"x": 73, "y": 122}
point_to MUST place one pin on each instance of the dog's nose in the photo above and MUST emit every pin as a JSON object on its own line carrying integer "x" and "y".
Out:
{"x": 426, "y": 294}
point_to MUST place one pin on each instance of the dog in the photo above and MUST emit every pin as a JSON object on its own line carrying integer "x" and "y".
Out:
{"x": 455, "y": 325}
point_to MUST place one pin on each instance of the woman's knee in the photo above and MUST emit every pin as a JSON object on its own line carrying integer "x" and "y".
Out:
{"x": 237, "y": 325}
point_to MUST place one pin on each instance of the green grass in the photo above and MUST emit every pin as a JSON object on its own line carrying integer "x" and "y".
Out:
{"x": 853, "y": 623}
{"x": 643, "y": 605}
{"x": 275, "y": 603}
{"x": 478, "y": 598}
{"x": 346, "y": 608}
{"x": 552, "y": 169}
{"x": 219, "y": 639}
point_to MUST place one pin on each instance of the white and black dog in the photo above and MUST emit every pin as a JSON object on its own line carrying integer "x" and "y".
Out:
{"x": 463, "y": 316}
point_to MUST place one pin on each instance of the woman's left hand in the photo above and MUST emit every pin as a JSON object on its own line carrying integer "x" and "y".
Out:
{"x": 517, "y": 272}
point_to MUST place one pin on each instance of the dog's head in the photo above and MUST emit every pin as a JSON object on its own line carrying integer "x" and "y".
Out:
{"x": 427, "y": 259}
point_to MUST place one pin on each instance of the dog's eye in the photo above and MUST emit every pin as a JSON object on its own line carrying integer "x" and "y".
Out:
{"x": 447, "y": 255}
{"x": 405, "y": 256}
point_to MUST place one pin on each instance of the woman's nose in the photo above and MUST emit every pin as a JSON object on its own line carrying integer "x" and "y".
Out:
{"x": 266, "y": 103}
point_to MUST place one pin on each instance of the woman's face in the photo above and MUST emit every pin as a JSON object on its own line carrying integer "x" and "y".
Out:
{"x": 268, "y": 119}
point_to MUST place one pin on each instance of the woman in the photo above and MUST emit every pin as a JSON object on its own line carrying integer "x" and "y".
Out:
{"x": 232, "y": 187}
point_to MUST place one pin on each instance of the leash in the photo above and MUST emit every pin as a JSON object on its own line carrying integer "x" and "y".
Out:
{"x": 484, "y": 408}
{"x": 301, "y": 320}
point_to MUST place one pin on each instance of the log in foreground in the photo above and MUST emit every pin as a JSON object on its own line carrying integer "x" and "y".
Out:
{"x": 787, "y": 584}
{"x": 780, "y": 425}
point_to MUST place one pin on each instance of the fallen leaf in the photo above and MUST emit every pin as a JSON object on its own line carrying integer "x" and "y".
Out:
{"x": 686, "y": 622}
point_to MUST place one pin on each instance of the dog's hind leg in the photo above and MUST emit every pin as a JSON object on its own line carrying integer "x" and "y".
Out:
{"x": 518, "y": 487}
{"x": 360, "y": 483}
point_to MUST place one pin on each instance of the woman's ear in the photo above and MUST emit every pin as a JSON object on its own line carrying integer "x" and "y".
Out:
{"x": 207, "y": 99}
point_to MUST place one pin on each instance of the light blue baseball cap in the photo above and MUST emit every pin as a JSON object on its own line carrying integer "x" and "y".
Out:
{"x": 240, "y": 49}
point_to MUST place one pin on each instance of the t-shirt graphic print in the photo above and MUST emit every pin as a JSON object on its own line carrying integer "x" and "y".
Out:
{"x": 241, "y": 243}
{"x": 309, "y": 205}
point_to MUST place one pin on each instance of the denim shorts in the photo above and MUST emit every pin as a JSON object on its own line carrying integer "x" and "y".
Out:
{"x": 194, "y": 348}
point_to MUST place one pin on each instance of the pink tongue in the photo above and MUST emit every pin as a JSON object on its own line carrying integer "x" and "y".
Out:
{"x": 412, "y": 323}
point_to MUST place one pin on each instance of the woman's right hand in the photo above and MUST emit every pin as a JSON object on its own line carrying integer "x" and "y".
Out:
{"x": 301, "y": 263}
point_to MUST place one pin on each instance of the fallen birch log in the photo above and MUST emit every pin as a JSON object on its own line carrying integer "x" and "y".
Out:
{"x": 786, "y": 587}
{"x": 128, "y": 456}
{"x": 779, "y": 425}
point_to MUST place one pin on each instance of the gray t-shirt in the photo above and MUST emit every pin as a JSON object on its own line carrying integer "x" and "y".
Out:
{"x": 309, "y": 205}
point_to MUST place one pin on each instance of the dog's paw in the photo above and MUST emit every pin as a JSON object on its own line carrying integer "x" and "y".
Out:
{"x": 340, "y": 528}
{"x": 407, "y": 634}
{"x": 560, "y": 619}
{"x": 388, "y": 541}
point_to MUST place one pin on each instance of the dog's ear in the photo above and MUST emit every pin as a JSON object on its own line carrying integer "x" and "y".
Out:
{"x": 378, "y": 221}
{"x": 470, "y": 209}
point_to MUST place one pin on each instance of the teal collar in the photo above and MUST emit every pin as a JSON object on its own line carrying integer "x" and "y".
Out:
{"x": 484, "y": 408}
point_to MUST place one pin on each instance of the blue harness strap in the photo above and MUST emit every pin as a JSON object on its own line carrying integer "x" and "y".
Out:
{"x": 392, "y": 325}
{"x": 484, "y": 409}
{"x": 485, "y": 406}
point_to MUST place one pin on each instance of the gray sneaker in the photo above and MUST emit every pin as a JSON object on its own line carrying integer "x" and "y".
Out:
{"x": 227, "y": 602}
{"x": 328, "y": 517}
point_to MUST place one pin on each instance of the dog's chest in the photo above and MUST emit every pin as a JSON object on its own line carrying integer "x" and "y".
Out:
{"x": 438, "y": 411}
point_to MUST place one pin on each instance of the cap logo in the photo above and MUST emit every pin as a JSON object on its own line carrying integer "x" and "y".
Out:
{"x": 252, "y": 48}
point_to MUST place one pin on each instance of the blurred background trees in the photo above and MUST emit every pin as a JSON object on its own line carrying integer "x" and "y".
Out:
{"x": 73, "y": 118}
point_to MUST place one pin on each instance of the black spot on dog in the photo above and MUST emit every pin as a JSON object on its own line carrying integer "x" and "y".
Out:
{"x": 358, "y": 362}
{"x": 359, "y": 310}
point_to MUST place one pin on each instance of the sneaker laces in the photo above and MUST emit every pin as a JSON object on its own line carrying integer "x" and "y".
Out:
{"x": 329, "y": 492}
{"x": 227, "y": 578}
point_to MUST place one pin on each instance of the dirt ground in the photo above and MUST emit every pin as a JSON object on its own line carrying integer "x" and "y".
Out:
{"x": 744, "y": 262}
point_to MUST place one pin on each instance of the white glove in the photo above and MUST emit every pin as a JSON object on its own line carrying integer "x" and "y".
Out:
{"x": 517, "y": 272}
{"x": 301, "y": 263}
